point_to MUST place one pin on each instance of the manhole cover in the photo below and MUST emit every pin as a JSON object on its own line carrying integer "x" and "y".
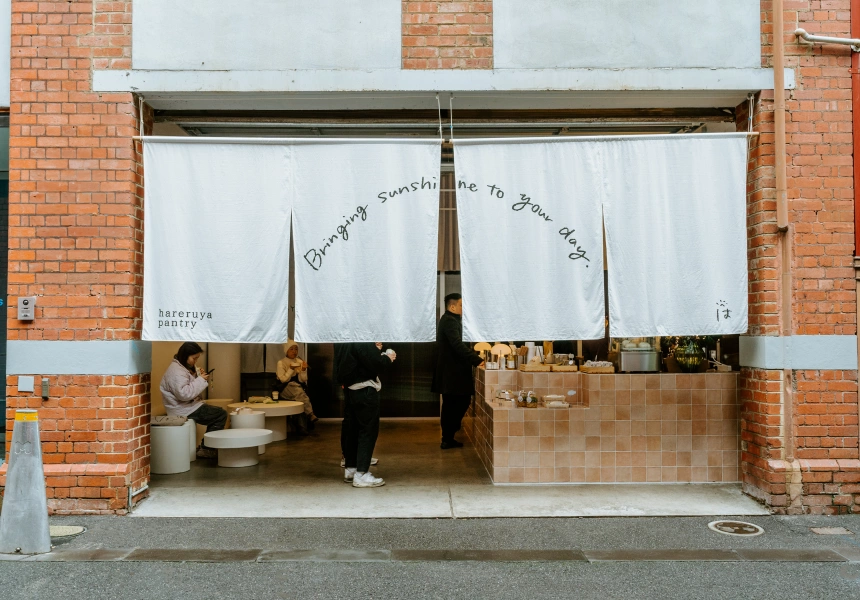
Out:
{"x": 66, "y": 530}
{"x": 735, "y": 528}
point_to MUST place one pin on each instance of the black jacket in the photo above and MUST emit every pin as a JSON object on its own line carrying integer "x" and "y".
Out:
{"x": 357, "y": 362}
{"x": 454, "y": 359}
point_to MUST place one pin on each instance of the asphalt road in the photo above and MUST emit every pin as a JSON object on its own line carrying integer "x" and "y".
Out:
{"x": 634, "y": 580}
{"x": 473, "y": 567}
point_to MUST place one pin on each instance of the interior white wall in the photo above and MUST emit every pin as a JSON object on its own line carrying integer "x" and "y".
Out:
{"x": 626, "y": 34}
{"x": 226, "y": 360}
{"x": 255, "y": 35}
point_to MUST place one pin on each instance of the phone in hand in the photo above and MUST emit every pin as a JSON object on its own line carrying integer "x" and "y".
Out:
{"x": 209, "y": 372}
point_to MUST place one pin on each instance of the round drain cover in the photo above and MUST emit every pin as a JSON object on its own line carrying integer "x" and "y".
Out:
{"x": 735, "y": 528}
{"x": 66, "y": 530}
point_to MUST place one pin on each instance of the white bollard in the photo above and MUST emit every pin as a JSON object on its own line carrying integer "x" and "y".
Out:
{"x": 24, "y": 525}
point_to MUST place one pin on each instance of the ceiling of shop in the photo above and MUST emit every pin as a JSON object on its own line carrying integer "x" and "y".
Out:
{"x": 429, "y": 129}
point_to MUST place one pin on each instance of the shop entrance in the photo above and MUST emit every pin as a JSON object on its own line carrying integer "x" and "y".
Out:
{"x": 301, "y": 476}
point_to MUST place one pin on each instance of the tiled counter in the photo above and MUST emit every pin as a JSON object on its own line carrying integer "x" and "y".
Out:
{"x": 626, "y": 428}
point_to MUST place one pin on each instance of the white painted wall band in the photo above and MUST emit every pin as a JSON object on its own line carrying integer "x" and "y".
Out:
{"x": 812, "y": 352}
{"x": 27, "y": 357}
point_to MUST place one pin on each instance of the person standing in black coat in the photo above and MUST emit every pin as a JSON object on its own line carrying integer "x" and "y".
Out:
{"x": 453, "y": 375}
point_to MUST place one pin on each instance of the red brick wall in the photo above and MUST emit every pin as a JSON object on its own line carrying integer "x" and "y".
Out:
{"x": 820, "y": 172}
{"x": 75, "y": 241}
{"x": 826, "y": 419}
{"x": 447, "y": 35}
{"x": 824, "y": 427}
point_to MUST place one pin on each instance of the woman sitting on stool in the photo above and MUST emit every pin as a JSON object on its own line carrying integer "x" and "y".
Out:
{"x": 292, "y": 380}
{"x": 181, "y": 388}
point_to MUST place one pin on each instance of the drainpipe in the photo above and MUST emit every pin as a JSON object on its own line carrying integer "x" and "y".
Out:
{"x": 855, "y": 127}
{"x": 782, "y": 218}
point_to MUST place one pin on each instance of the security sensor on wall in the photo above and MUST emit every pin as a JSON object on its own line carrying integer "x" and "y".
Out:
{"x": 27, "y": 308}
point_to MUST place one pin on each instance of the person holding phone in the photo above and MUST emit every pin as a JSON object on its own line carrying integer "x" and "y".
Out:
{"x": 292, "y": 375}
{"x": 182, "y": 388}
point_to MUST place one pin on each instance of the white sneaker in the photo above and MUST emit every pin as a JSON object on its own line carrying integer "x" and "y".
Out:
{"x": 348, "y": 475}
{"x": 373, "y": 461}
{"x": 366, "y": 480}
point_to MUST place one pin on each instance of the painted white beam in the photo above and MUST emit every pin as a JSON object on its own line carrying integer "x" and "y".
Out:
{"x": 442, "y": 80}
{"x": 37, "y": 357}
{"x": 811, "y": 352}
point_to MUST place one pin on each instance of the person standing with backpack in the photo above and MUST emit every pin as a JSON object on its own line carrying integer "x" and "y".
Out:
{"x": 358, "y": 366}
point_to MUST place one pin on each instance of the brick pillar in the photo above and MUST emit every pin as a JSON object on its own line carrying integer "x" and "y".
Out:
{"x": 447, "y": 35}
{"x": 75, "y": 242}
{"x": 822, "y": 474}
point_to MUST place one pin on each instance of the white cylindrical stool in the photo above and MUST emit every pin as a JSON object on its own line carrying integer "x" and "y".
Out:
{"x": 192, "y": 438}
{"x": 276, "y": 414}
{"x": 169, "y": 449}
{"x": 237, "y": 447}
{"x": 255, "y": 419}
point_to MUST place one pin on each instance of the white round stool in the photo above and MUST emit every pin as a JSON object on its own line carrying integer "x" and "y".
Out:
{"x": 255, "y": 419}
{"x": 192, "y": 436}
{"x": 237, "y": 447}
{"x": 169, "y": 449}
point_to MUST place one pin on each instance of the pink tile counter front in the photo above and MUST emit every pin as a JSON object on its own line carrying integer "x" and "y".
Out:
{"x": 663, "y": 427}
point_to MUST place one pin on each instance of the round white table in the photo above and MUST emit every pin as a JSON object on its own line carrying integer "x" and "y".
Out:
{"x": 276, "y": 415}
{"x": 237, "y": 447}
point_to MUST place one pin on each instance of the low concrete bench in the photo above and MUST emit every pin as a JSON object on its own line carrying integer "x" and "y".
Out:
{"x": 237, "y": 447}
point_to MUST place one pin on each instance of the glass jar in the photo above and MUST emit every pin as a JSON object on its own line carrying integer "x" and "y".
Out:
{"x": 689, "y": 356}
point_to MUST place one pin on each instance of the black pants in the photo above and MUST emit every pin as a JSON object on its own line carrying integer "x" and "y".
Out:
{"x": 360, "y": 427}
{"x": 454, "y": 407}
{"x": 212, "y": 416}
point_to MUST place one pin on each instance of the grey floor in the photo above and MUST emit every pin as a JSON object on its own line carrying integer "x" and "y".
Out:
{"x": 301, "y": 478}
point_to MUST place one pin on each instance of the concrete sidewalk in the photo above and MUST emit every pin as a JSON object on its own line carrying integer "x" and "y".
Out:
{"x": 597, "y": 534}
{"x": 301, "y": 478}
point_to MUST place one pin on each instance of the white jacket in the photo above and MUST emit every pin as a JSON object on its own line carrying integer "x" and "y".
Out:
{"x": 286, "y": 372}
{"x": 181, "y": 390}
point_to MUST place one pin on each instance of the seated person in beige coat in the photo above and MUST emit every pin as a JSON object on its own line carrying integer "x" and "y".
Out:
{"x": 292, "y": 380}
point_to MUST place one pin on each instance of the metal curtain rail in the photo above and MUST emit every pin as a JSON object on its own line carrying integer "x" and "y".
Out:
{"x": 435, "y": 126}
{"x": 382, "y": 140}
